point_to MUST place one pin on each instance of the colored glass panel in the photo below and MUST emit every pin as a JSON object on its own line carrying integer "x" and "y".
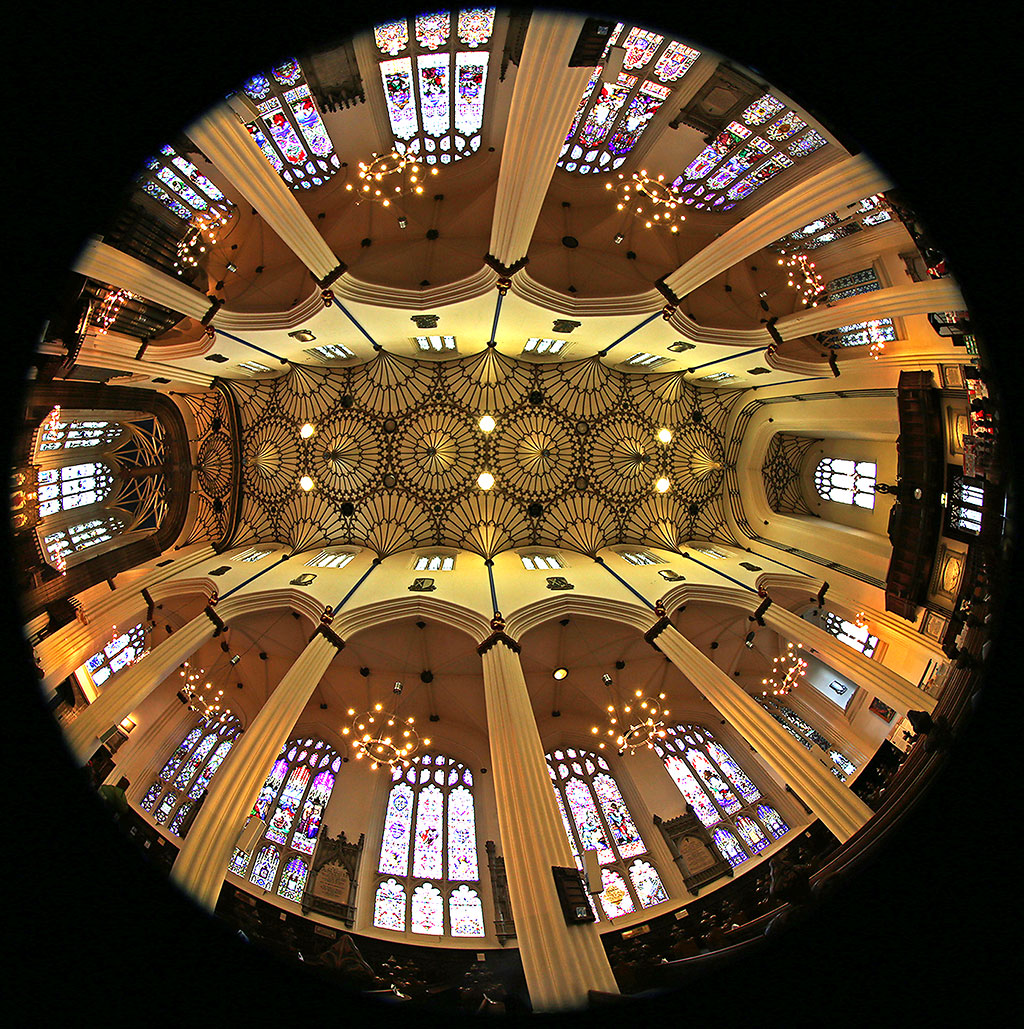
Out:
{"x": 398, "y": 95}
{"x": 195, "y": 760}
{"x": 691, "y": 790}
{"x": 624, "y": 833}
{"x": 426, "y": 861}
{"x": 287, "y": 74}
{"x": 427, "y": 910}
{"x": 588, "y": 825}
{"x": 610, "y": 98}
{"x": 309, "y": 120}
{"x": 462, "y": 863}
{"x": 293, "y": 880}
{"x": 768, "y": 170}
{"x": 640, "y": 46}
{"x": 729, "y": 847}
{"x": 713, "y": 781}
{"x": 465, "y": 913}
{"x": 264, "y": 869}
{"x": 640, "y": 111}
{"x": 394, "y": 851}
{"x": 164, "y": 808}
{"x": 283, "y": 134}
{"x": 432, "y": 29}
{"x": 746, "y": 788}
{"x": 675, "y": 61}
{"x": 209, "y": 769}
{"x": 788, "y": 125}
{"x": 762, "y": 109}
{"x": 152, "y": 793}
{"x": 744, "y": 159}
{"x": 751, "y": 833}
{"x": 706, "y": 160}
{"x": 772, "y": 820}
{"x": 806, "y": 144}
{"x": 392, "y": 37}
{"x": 433, "y": 74}
{"x": 475, "y": 25}
{"x": 583, "y": 102}
{"x": 270, "y": 788}
{"x": 389, "y": 906}
{"x": 615, "y": 899}
{"x": 647, "y": 883}
{"x": 268, "y": 151}
{"x": 179, "y": 755}
{"x": 470, "y": 85}
{"x": 304, "y": 837}
{"x": 565, "y": 822}
{"x": 281, "y": 822}
{"x": 239, "y": 862}
{"x": 179, "y": 817}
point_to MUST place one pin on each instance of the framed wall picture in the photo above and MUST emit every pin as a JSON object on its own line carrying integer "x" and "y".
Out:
{"x": 883, "y": 711}
{"x": 933, "y": 625}
{"x": 952, "y": 376}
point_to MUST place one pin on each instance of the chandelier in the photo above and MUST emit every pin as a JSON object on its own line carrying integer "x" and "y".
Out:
{"x": 202, "y": 231}
{"x": 633, "y": 725}
{"x": 111, "y": 307}
{"x": 787, "y": 672}
{"x": 387, "y": 177}
{"x": 650, "y": 199}
{"x": 803, "y": 278}
{"x": 197, "y": 694}
{"x": 381, "y": 736}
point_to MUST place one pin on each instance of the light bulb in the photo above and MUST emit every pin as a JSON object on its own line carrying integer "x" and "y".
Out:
{"x": 306, "y": 483}
{"x": 306, "y": 431}
{"x": 485, "y": 480}
{"x": 663, "y": 485}
{"x": 664, "y": 435}
{"x": 487, "y": 423}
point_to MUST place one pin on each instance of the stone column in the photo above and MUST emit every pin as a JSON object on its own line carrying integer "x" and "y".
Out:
{"x": 544, "y": 101}
{"x": 104, "y": 263}
{"x": 203, "y": 859}
{"x": 561, "y": 962}
{"x": 832, "y": 188}
{"x": 63, "y": 651}
{"x": 148, "y": 748}
{"x": 135, "y": 683}
{"x": 223, "y": 138}
{"x": 841, "y": 811}
{"x": 871, "y": 675}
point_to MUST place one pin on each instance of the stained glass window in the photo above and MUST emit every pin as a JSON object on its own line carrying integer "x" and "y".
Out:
{"x": 595, "y": 817}
{"x": 188, "y": 771}
{"x": 389, "y": 906}
{"x": 846, "y": 482}
{"x": 428, "y": 845}
{"x": 176, "y": 183}
{"x": 966, "y": 505}
{"x": 64, "y": 546}
{"x": 772, "y": 821}
{"x": 860, "y": 334}
{"x": 287, "y": 126}
{"x": 721, "y": 794}
{"x": 291, "y": 803}
{"x": 123, "y": 650}
{"x": 264, "y": 868}
{"x": 74, "y": 485}
{"x": 77, "y": 434}
{"x": 852, "y": 634}
{"x": 435, "y": 94}
{"x": 612, "y": 114}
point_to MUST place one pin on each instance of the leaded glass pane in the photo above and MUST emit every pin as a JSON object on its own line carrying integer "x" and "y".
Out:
{"x": 164, "y": 808}
{"x": 691, "y": 790}
{"x": 465, "y": 913}
{"x": 475, "y": 25}
{"x": 270, "y": 788}
{"x": 647, "y": 883}
{"x": 462, "y": 864}
{"x": 427, "y": 910}
{"x": 152, "y": 793}
{"x": 624, "y": 832}
{"x": 615, "y": 899}
{"x": 179, "y": 817}
{"x": 588, "y": 825}
{"x": 426, "y": 862}
{"x": 729, "y": 846}
{"x": 389, "y": 906}
{"x": 432, "y": 29}
{"x": 394, "y": 851}
{"x": 281, "y": 823}
{"x": 208, "y": 771}
{"x": 751, "y": 833}
{"x": 772, "y": 820}
{"x": 264, "y": 868}
{"x": 179, "y": 755}
{"x": 713, "y": 781}
{"x": 735, "y": 774}
{"x": 304, "y": 838}
{"x": 293, "y": 880}
{"x": 193, "y": 763}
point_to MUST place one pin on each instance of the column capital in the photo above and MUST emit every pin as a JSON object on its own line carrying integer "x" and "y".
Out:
{"x": 656, "y": 630}
{"x": 219, "y": 623}
{"x": 498, "y": 636}
{"x": 323, "y": 629}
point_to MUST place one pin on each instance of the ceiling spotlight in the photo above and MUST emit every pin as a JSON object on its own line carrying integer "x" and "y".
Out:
{"x": 402, "y": 223}
{"x": 487, "y": 423}
{"x": 663, "y": 485}
{"x": 485, "y": 481}
{"x": 559, "y": 673}
{"x": 306, "y": 431}
{"x": 306, "y": 483}
{"x": 618, "y": 237}
{"x": 664, "y": 435}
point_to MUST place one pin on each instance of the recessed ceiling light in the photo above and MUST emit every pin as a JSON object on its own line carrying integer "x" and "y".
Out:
{"x": 485, "y": 481}
{"x": 487, "y": 423}
{"x": 664, "y": 435}
{"x": 306, "y": 483}
{"x": 306, "y": 431}
{"x": 662, "y": 485}
{"x": 560, "y": 673}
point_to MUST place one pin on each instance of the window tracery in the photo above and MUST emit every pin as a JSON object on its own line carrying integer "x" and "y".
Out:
{"x": 595, "y": 817}
{"x": 428, "y": 852}
{"x": 721, "y": 794}
{"x": 846, "y": 482}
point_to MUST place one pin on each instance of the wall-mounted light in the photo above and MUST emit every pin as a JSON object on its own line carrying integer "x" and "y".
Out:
{"x": 127, "y": 724}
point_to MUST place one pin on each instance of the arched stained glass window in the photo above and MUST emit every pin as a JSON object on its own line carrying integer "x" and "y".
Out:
{"x": 852, "y": 634}
{"x": 74, "y": 485}
{"x": 291, "y": 803}
{"x": 188, "y": 771}
{"x": 595, "y": 817}
{"x": 123, "y": 650}
{"x": 428, "y": 845}
{"x": 288, "y": 128}
{"x": 612, "y": 114}
{"x": 721, "y": 794}
{"x": 772, "y": 821}
{"x": 846, "y": 482}
{"x": 77, "y": 434}
{"x": 264, "y": 868}
{"x": 434, "y": 89}
{"x": 808, "y": 736}
{"x": 765, "y": 140}
{"x": 67, "y": 546}
{"x": 178, "y": 185}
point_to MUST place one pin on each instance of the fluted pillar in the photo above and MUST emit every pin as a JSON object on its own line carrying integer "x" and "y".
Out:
{"x": 224, "y": 140}
{"x": 135, "y": 683}
{"x": 203, "y": 859}
{"x": 840, "y": 810}
{"x": 544, "y": 100}
{"x": 63, "y": 651}
{"x": 865, "y": 672}
{"x": 832, "y": 188}
{"x": 893, "y": 302}
{"x": 561, "y": 962}
{"x": 104, "y": 263}
{"x": 149, "y": 746}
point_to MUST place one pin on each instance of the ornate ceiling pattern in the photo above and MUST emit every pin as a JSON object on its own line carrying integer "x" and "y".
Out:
{"x": 397, "y": 451}
{"x": 216, "y": 463}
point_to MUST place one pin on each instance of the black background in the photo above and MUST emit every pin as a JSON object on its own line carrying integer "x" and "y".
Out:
{"x": 925, "y": 931}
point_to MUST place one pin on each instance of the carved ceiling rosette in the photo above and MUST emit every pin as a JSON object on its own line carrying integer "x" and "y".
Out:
{"x": 270, "y": 459}
{"x": 347, "y": 453}
{"x": 389, "y": 523}
{"x": 306, "y": 394}
{"x": 439, "y": 451}
{"x": 624, "y": 456}
{"x": 535, "y": 456}
{"x": 390, "y": 385}
{"x": 487, "y": 524}
{"x": 584, "y": 389}
{"x": 488, "y": 382}
{"x": 583, "y": 523}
